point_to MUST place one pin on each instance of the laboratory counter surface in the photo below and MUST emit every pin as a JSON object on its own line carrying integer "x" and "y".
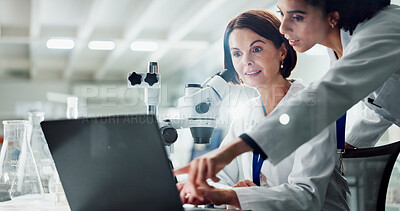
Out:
{"x": 33, "y": 203}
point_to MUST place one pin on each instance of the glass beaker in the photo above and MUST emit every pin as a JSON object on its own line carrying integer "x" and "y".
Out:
{"x": 41, "y": 153}
{"x": 18, "y": 171}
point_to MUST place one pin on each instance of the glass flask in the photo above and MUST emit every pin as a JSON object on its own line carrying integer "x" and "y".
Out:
{"x": 41, "y": 153}
{"x": 18, "y": 171}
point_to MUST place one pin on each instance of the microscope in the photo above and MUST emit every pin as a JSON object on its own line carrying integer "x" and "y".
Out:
{"x": 199, "y": 108}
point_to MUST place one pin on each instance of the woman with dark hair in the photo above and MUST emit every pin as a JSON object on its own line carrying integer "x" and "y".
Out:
{"x": 362, "y": 42}
{"x": 364, "y": 38}
{"x": 308, "y": 179}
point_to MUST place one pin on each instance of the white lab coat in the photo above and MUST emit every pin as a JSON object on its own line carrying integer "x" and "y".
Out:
{"x": 369, "y": 67}
{"x": 309, "y": 179}
{"x": 366, "y": 130}
{"x": 367, "y": 126}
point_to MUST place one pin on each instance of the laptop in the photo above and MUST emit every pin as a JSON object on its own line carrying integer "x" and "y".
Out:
{"x": 112, "y": 163}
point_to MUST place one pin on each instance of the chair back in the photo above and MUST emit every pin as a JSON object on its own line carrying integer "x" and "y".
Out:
{"x": 368, "y": 172}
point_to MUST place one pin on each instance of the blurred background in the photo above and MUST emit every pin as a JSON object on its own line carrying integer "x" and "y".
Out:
{"x": 53, "y": 49}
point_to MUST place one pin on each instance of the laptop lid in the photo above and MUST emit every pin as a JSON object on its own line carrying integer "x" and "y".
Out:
{"x": 112, "y": 163}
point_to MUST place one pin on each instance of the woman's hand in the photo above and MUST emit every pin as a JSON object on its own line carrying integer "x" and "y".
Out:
{"x": 202, "y": 168}
{"x": 208, "y": 165}
{"x": 186, "y": 196}
{"x": 211, "y": 195}
{"x": 244, "y": 183}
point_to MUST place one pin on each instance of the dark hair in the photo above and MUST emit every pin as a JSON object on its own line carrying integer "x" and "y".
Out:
{"x": 266, "y": 25}
{"x": 352, "y": 12}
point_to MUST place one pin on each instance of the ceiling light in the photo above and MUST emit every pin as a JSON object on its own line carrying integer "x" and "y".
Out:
{"x": 101, "y": 45}
{"x": 60, "y": 44}
{"x": 144, "y": 46}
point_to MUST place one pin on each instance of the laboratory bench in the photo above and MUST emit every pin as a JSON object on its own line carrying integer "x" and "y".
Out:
{"x": 33, "y": 203}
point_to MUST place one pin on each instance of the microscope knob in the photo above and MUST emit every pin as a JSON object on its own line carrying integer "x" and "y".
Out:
{"x": 135, "y": 79}
{"x": 202, "y": 108}
{"x": 151, "y": 78}
{"x": 169, "y": 135}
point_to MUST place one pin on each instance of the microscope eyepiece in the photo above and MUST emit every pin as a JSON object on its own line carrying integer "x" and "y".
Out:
{"x": 227, "y": 75}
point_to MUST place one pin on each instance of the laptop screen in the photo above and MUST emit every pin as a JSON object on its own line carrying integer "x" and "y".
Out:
{"x": 112, "y": 163}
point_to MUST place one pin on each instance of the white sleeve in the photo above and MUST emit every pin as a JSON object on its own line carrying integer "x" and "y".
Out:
{"x": 369, "y": 60}
{"x": 366, "y": 130}
{"x": 307, "y": 183}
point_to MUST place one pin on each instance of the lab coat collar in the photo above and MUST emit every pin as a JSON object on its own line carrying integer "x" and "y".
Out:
{"x": 345, "y": 37}
{"x": 258, "y": 113}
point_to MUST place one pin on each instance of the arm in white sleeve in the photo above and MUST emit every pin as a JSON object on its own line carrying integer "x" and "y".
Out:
{"x": 366, "y": 130}
{"x": 369, "y": 60}
{"x": 308, "y": 182}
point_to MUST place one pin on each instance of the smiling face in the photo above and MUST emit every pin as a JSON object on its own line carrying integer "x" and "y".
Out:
{"x": 302, "y": 24}
{"x": 255, "y": 58}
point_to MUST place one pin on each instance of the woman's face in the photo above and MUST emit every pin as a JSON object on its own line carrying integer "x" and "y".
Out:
{"x": 255, "y": 58}
{"x": 302, "y": 24}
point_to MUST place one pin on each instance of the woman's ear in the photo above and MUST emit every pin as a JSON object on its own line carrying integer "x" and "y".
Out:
{"x": 333, "y": 18}
{"x": 283, "y": 51}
